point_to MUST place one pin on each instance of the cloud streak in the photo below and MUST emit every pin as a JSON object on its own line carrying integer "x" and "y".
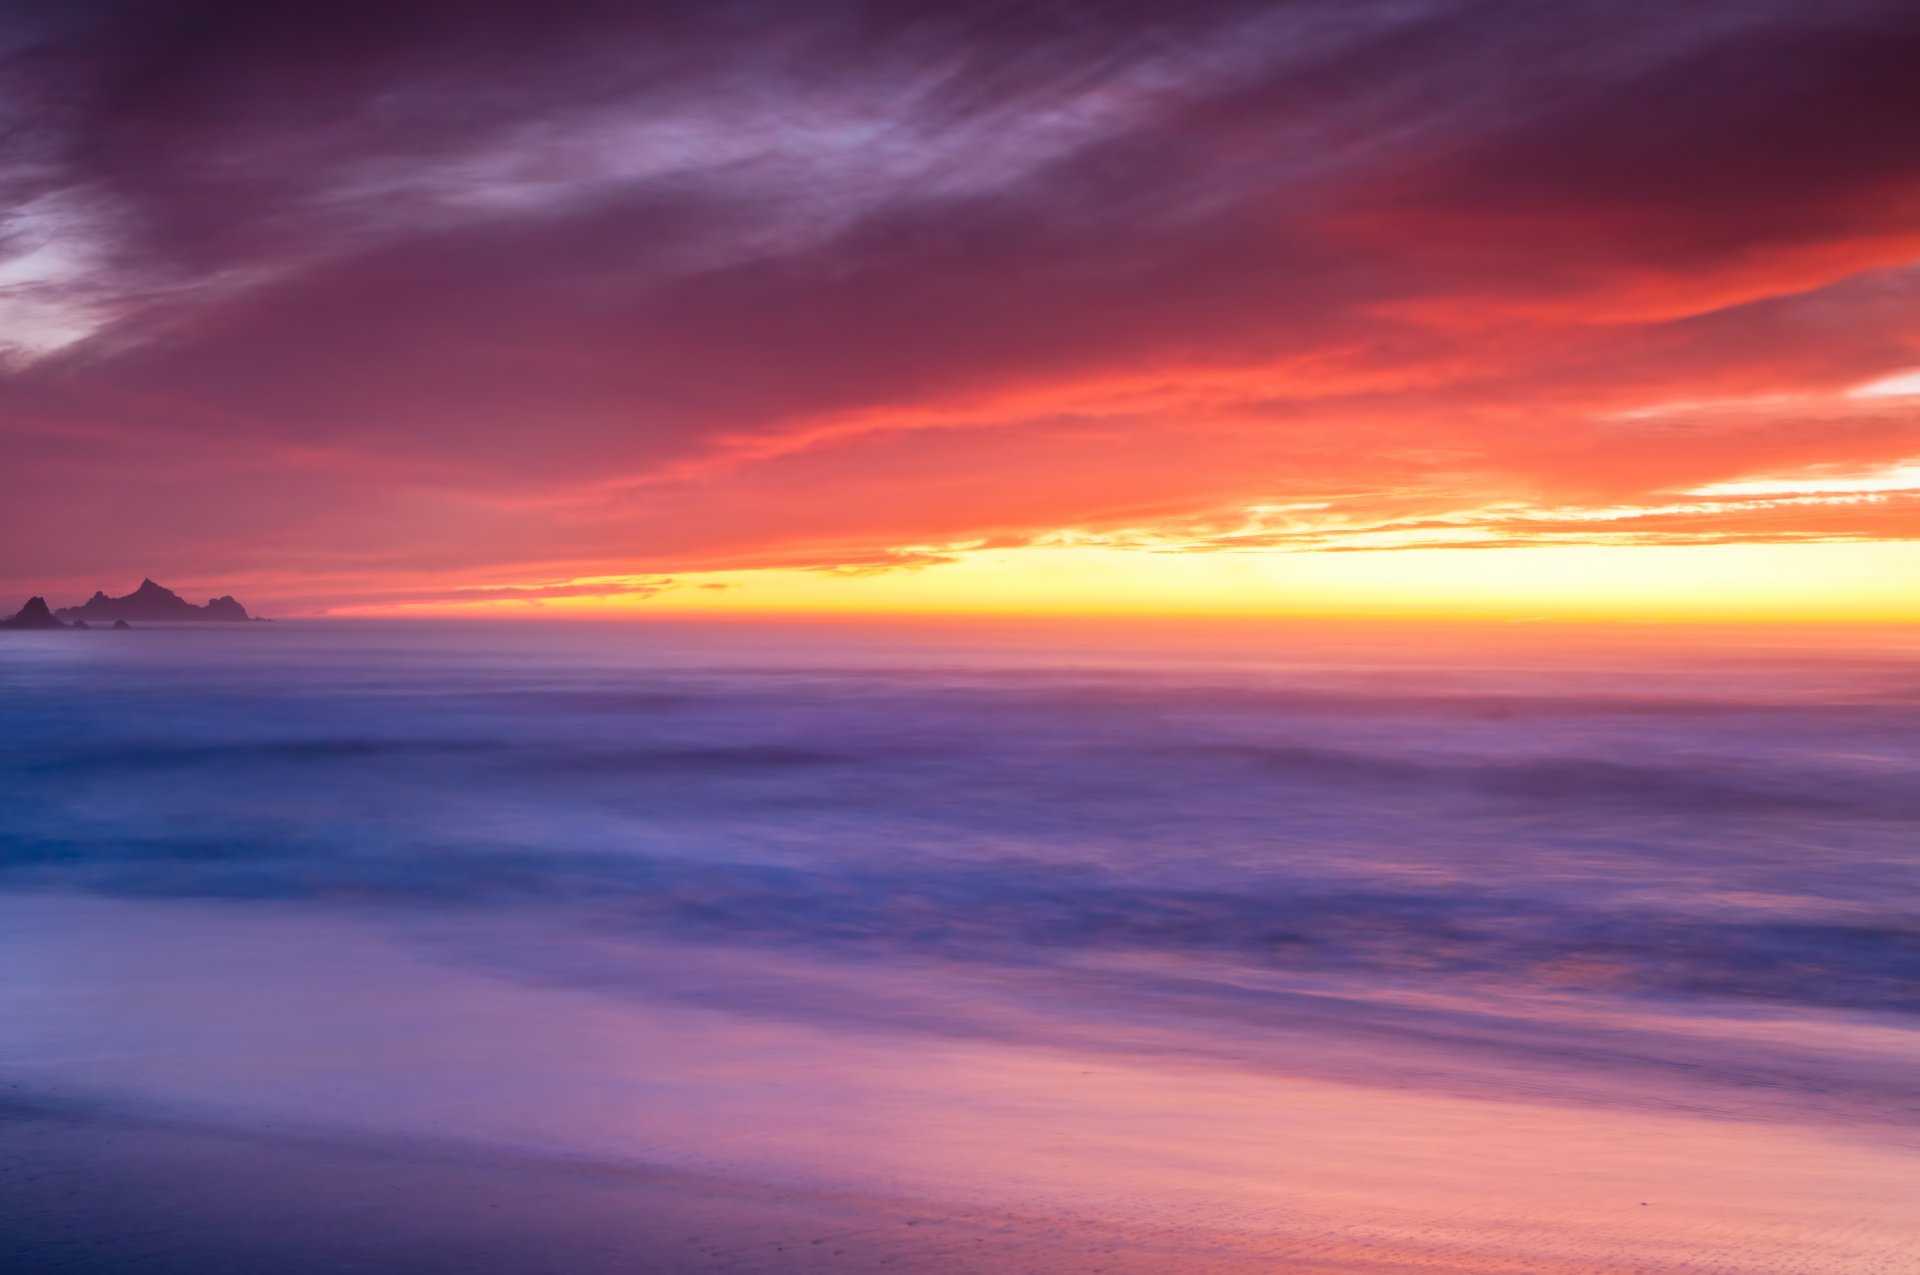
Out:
{"x": 526, "y": 293}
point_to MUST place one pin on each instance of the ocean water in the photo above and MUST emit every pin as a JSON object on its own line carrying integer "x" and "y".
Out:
{"x": 1392, "y": 949}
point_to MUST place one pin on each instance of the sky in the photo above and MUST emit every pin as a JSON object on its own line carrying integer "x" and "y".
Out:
{"x": 1400, "y": 308}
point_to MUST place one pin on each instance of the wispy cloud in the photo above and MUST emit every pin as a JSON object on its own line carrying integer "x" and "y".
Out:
{"x": 670, "y": 288}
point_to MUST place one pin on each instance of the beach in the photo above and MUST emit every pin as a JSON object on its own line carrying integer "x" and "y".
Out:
{"x": 523, "y": 948}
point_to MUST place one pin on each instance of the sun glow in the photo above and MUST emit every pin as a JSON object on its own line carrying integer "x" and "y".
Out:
{"x": 1901, "y": 477}
{"x": 1890, "y": 387}
{"x": 1852, "y": 582}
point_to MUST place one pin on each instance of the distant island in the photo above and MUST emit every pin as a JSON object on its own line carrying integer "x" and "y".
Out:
{"x": 150, "y": 603}
{"x": 34, "y": 615}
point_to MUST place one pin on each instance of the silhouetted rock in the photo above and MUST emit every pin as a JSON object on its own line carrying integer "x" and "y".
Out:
{"x": 152, "y": 602}
{"x": 34, "y": 615}
{"x": 120, "y": 624}
{"x": 80, "y": 624}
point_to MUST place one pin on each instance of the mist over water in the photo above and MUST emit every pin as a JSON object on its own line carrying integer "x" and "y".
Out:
{"x": 1633, "y": 880}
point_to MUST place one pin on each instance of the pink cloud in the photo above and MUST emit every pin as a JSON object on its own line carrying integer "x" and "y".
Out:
{"x": 444, "y": 295}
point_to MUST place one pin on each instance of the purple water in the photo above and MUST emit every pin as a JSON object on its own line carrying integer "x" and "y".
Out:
{"x": 995, "y": 920}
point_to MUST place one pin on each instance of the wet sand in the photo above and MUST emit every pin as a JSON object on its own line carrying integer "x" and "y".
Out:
{"x": 508, "y": 949}
{"x": 169, "y": 1108}
{"x": 86, "y": 1194}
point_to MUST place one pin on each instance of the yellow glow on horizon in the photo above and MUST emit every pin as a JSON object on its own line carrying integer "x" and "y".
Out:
{"x": 1842, "y": 582}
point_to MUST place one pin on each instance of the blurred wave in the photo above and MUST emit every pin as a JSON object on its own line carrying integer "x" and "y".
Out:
{"x": 1676, "y": 831}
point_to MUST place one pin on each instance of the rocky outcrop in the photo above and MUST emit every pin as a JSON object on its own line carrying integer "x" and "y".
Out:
{"x": 34, "y": 615}
{"x": 152, "y": 602}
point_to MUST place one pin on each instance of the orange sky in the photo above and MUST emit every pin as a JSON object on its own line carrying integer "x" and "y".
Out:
{"x": 1577, "y": 311}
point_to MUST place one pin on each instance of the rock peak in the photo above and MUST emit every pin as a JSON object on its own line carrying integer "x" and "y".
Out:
{"x": 153, "y": 601}
{"x": 34, "y": 615}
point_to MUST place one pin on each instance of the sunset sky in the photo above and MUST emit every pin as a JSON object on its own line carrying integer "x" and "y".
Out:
{"x": 1413, "y": 308}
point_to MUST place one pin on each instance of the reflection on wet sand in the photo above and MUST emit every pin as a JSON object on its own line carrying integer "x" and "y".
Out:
{"x": 277, "y": 1053}
{"x": 511, "y": 949}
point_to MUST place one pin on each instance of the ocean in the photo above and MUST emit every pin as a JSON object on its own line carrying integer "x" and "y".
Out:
{"x": 975, "y": 947}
